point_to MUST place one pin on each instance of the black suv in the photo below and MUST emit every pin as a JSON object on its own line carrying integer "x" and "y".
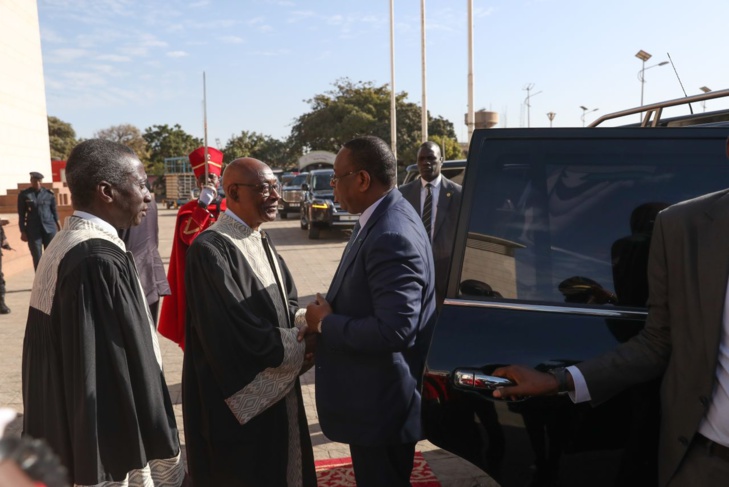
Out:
{"x": 292, "y": 195}
{"x": 318, "y": 209}
{"x": 548, "y": 269}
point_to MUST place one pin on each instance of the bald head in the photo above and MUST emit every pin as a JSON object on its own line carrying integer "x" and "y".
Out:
{"x": 251, "y": 191}
{"x": 244, "y": 167}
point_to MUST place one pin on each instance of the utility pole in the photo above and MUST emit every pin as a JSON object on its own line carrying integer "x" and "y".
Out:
{"x": 393, "y": 112}
{"x": 470, "y": 116}
{"x": 424, "y": 115}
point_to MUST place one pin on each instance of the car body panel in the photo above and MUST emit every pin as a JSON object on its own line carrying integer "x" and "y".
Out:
{"x": 538, "y": 277}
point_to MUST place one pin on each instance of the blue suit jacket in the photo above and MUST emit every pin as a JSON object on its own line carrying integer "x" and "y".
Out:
{"x": 371, "y": 353}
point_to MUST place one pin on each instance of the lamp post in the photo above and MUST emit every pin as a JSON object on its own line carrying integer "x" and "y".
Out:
{"x": 550, "y": 116}
{"x": 585, "y": 111}
{"x": 529, "y": 87}
{"x": 705, "y": 89}
{"x": 644, "y": 56}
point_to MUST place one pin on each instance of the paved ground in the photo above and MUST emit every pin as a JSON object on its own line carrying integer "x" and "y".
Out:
{"x": 312, "y": 264}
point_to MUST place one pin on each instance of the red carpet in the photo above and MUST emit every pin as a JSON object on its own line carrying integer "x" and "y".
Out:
{"x": 338, "y": 472}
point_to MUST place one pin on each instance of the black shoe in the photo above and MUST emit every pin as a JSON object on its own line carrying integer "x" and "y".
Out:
{"x": 4, "y": 309}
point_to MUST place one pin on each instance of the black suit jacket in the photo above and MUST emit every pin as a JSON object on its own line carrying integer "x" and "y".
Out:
{"x": 688, "y": 268}
{"x": 446, "y": 219}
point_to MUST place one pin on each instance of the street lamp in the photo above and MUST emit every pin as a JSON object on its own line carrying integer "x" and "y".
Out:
{"x": 550, "y": 116}
{"x": 644, "y": 56}
{"x": 529, "y": 87}
{"x": 585, "y": 111}
{"x": 705, "y": 89}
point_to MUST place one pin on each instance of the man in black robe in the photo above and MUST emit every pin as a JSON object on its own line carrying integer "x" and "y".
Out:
{"x": 93, "y": 385}
{"x": 245, "y": 423}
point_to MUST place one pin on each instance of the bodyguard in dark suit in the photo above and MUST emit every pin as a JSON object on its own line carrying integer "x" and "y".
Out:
{"x": 376, "y": 322}
{"x": 437, "y": 200}
{"x": 686, "y": 338}
{"x": 37, "y": 216}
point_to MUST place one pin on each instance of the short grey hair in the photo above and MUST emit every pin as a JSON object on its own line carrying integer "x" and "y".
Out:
{"x": 93, "y": 161}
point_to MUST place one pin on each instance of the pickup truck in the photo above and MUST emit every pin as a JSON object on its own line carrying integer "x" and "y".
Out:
{"x": 548, "y": 269}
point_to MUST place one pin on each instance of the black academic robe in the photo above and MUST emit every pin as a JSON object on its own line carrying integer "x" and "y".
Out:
{"x": 245, "y": 423}
{"x": 93, "y": 385}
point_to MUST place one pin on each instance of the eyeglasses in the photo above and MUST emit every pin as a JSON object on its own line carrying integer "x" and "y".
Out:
{"x": 264, "y": 188}
{"x": 334, "y": 179}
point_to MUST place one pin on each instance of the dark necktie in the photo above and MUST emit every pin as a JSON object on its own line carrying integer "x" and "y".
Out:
{"x": 428, "y": 209}
{"x": 352, "y": 238}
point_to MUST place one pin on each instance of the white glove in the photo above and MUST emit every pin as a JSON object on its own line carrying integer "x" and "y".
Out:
{"x": 207, "y": 195}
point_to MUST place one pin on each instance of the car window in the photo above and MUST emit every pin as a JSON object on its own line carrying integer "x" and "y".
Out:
{"x": 321, "y": 182}
{"x": 558, "y": 223}
{"x": 297, "y": 181}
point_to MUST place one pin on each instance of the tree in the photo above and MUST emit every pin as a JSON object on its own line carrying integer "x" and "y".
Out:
{"x": 274, "y": 152}
{"x": 164, "y": 141}
{"x": 128, "y": 135}
{"x": 353, "y": 109}
{"x": 450, "y": 148}
{"x": 62, "y": 138}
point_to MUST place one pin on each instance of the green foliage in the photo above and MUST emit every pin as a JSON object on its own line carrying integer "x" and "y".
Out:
{"x": 274, "y": 152}
{"x": 164, "y": 141}
{"x": 450, "y": 148}
{"x": 62, "y": 138}
{"x": 354, "y": 109}
{"x": 128, "y": 135}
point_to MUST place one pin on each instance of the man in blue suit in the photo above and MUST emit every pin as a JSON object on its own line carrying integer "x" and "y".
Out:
{"x": 376, "y": 321}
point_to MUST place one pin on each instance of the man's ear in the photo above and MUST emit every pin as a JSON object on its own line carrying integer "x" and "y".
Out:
{"x": 365, "y": 181}
{"x": 229, "y": 193}
{"x": 105, "y": 191}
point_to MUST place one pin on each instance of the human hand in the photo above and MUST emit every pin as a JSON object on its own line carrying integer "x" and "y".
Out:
{"x": 207, "y": 194}
{"x": 529, "y": 382}
{"x": 316, "y": 311}
{"x": 23, "y": 236}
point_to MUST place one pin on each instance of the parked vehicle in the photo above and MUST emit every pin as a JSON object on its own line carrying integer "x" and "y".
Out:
{"x": 453, "y": 170}
{"x": 548, "y": 269}
{"x": 318, "y": 209}
{"x": 292, "y": 195}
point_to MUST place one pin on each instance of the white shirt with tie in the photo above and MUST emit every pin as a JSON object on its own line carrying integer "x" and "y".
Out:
{"x": 435, "y": 186}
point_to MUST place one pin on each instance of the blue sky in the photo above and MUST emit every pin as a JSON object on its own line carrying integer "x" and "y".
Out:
{"x": 108, "y": 62}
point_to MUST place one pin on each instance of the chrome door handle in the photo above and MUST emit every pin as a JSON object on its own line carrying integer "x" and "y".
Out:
{"x": 475, "y": 379}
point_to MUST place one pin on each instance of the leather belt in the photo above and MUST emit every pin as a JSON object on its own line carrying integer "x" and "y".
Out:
{"x": 713, "y": 448}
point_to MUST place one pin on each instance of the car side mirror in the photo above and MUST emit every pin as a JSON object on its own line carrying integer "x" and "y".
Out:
{"x": 305, "y": 187}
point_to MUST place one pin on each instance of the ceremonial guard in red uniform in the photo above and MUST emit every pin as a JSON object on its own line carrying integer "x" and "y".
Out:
{"x": 194, "y": 217}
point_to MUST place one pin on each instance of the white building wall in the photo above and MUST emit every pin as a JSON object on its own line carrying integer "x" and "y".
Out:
{"x": 24, "y": 145}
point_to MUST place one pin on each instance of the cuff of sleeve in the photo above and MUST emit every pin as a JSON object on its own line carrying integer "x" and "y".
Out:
{"x": 300, "y": 318}
{"x": 581, "y": 393}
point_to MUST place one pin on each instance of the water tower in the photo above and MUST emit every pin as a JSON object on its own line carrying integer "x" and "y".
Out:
{"x": 484, "y": 119}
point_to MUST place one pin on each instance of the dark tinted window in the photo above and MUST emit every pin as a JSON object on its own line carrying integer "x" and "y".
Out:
{"x": 570, "y": 221}
{"x": 297, "y": 181}
{"x": 321, "y": 181}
